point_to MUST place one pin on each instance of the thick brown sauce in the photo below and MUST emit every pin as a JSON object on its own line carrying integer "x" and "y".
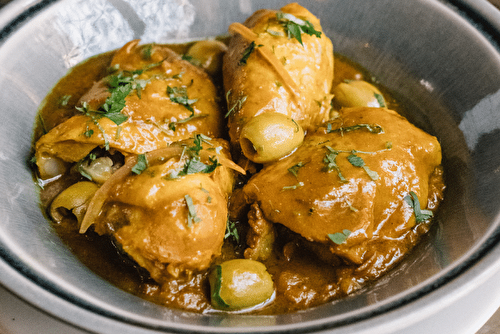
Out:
{"x": 304, "y": 280}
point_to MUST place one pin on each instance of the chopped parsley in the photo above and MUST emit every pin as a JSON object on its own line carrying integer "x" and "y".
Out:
{"x": 172, "y": 125}
{"x": 340, "y": 237}
{"x": 141, "y": 165}
{"x": 247, "y": 52}
{"x": 357, "y": 161}
{"x": 237, "y": 105}
{"x": 94, "y": 116}
{"x": 295, "y": 186}
{"x": 373, "y": 128}
{"x": 89, "y": 132}
{"x": 232, "y": 231}
{"x": 191, "y": 59}
{"x": 179, "y": 95}
{"x": 295, "y": 168}
{"x": 192, "y": 217}
{"x": 330, "y": 161}
{"x": 193, "y": 163}
{"x": 120, "y": 85}
{"x": 295, "y": 27}
{"x": 420, "y": 215}
{"x": 147, "y": 51}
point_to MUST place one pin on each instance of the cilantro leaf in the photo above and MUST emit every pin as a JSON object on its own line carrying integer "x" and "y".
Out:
{"x": 373, "y": 128}
{"x": 179, "y": 95}
{"x": 232, "y": 231}
{"x": 331, "y": 163}
{"x": 236, "y": 106}
{"x": 420, "y": 215}
{"x": 340, "y": 237}
{"x": 193, "y": 164}
{"x": 141, "y": 165}
{"x": 192, "y": 217}
{"x": 295, "y": 168}
{"x": 295, "y": 27}
{"x": 357, "y": 161}
{"x": 147, "y": 51}
{"x": 172, "y": 125}
{"x": 247, "y": 52}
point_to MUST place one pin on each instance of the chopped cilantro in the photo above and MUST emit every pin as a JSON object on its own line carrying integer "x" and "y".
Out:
{"x": 237, "y": 105}
{"x": 141, "y": 165}
{"x": 247, "y": 52}
{"x": 192, "y": 217}
{"x": 357, "y": 161}
{"x": 231, "y": 231}
{"x": 193, "y": 163}
{"x": 94, "y": 116}
{"x": 294, "y": 26}
{"x": 179, "y": 95}
{"x": 340, "y": 237}
{"x": 295, "y": 186}
{"x": 373, "y": 128}
{"x": 88, "y": 133}
{"x": 331, "y": 163}
{"x": 172, "y": 125}
{"x": 147, "y": 51}
{"x": 191, "y": 59}
{"x": 295, "y": 168}
{"x": 420, "y": 215}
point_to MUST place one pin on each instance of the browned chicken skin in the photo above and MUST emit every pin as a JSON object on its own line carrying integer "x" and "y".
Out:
{"x": 151, "y": 111}
{"x": 281, "y": 75}
{"x": 170, "y": 223}
{"x": 317, "y": 192}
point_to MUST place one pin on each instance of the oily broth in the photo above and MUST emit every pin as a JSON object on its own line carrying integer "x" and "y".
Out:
{"x": 313, "y": 278}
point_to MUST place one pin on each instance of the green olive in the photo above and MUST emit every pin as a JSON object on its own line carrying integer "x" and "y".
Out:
{"x": 358, "y": 93}
{"x": 99, "y": 170}
{"x": 208, "y": 54}
{"x": 74, "y": 199}
{"x": 269, "y": 137}
{"x": 240, "y": 284}
{"x": 49, "y": 167}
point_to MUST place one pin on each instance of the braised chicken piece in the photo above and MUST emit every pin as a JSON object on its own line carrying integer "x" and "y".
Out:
{"x": 137, "y": 166}
{"x": 270, "y": 67}
{"x": 168, "y": 211}
{"x": 358, "y": 188}
{"x": 151, "y": 99}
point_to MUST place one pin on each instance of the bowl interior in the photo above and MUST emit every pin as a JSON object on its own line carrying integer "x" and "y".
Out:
{"x": 445, "y": 70}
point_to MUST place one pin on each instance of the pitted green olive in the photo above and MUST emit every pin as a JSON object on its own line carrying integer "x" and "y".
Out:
{"x": 358, "y": 93}
{"x": 270, "y": 136}
{"x": 208, "y": 54}
{"x": 74, "y": 199}
{"x": 239, "y": 284}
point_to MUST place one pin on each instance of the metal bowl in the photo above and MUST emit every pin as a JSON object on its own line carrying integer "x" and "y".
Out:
{"x": 441, "y": 58}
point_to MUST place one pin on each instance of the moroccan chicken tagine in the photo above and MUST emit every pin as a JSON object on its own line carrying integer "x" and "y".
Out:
{"x": 235, "y": 174}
